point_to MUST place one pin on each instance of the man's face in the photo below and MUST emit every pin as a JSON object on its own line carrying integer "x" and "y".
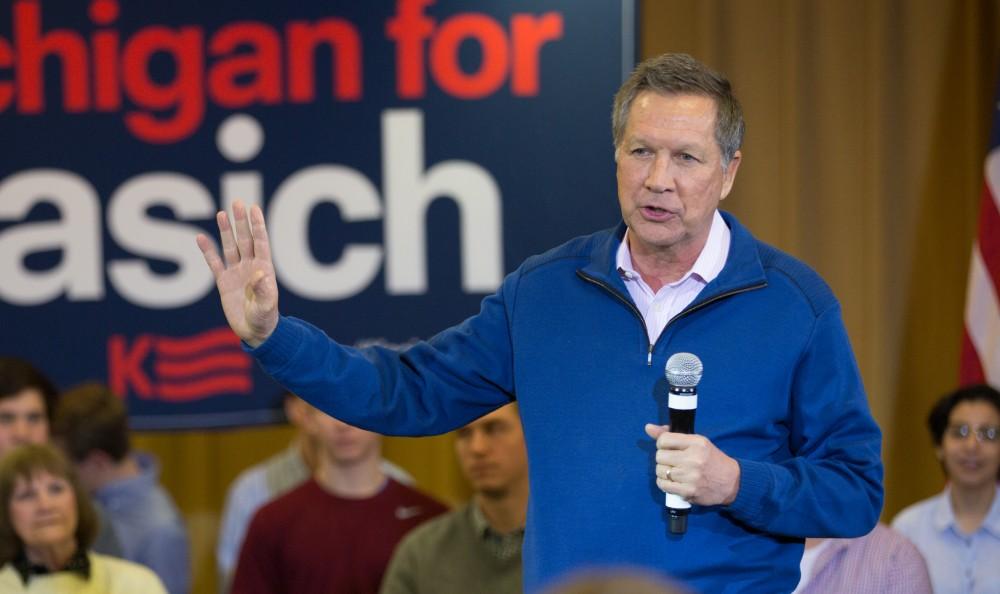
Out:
{"x": 670, "y": 175}
{"x": 23, "y": 420}
{"x": 491, "y": 452}
{"x": 969, "y": 460}
{"x": 343, "y": 444}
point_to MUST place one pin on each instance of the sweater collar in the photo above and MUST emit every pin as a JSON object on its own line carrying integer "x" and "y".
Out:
{"x": 743, "y": 270}
{"x": 79, "y": 564}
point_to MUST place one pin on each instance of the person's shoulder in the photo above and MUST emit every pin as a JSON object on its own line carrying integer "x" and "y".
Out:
{"x": 412, "y": 496}
{"x": 890, "y": 541}
{"x": 287, "y": 505}
{"x": 10, "y": 581}
{"x": 430, "y": 539}
{"x": 914, "y": 515}
{"x": 573, "y": 252}
{"x": 782, "y": 268}
{"x": 438, "y": 530}
{"x": 249, "y": 483}
{"x": 121, "y": 576}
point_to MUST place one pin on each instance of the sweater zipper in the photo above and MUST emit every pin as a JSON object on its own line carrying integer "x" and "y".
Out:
{"x": 642, "y": 321}
{"x": 631, "y": 306}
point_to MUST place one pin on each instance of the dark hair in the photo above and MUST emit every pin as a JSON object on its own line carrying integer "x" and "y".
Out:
{"x": 17, "y": 375}
{"x": 23, "y": 463}
{"x": 937, "y": 420}
{"x": 677, "y": 74}
{"x": 90, "y": 417}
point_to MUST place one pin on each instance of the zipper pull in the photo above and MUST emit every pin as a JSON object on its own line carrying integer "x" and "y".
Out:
{"x": 649, "y": 356}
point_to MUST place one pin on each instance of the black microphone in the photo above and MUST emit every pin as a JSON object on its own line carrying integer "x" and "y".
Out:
{"x": 683, "y": 374}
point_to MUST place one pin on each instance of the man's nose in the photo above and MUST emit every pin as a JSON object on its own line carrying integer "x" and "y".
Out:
{"x": 20, "y": 431}
{"x": 478, "y": 443}
{"x": 659, "y": 178}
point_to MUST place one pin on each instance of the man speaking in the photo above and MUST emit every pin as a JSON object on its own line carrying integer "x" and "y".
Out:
{"x": 785, "y": 447}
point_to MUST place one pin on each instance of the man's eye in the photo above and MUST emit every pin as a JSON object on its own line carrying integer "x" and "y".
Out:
{"x": 640, "y": 151}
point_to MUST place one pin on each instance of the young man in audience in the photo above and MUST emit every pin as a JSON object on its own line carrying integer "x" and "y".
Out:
{"x": 958, "y": 530}
{"x": 27, "y": 399}
{"x": 91, "y": 425}
{"x": 268, "y": 480}
{"x": 335, "y": 532}
{"x": 476, "y": 548}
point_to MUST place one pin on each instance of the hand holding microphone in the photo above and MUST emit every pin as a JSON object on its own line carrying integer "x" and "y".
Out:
{"x": 689, "y": 468}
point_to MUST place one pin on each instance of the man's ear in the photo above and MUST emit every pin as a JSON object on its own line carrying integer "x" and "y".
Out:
{"x": 729, "y": 175}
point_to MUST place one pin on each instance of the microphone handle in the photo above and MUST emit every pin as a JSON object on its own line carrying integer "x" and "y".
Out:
{"x": 683, "y": 404}
{"x": 682, "y": 420}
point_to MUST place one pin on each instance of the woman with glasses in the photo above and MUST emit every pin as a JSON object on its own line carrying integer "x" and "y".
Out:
{"x": 958, "y": 530}
{"x": 46, "y": 527}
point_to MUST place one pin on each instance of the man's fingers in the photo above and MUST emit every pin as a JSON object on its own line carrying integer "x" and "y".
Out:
{"x": 685, "y": 491}
{"x": 244, "y": 238}
{"x": 261, "y": 244}
{"x": 211, "y": 256}
{"x": 676, "y": 441}
{"x": 655, "y": 431}
{"x": 669, "y": 457}
{"x": 232, "y": 255}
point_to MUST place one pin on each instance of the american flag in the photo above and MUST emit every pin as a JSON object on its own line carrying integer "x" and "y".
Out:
{"x": 981, "y": 342}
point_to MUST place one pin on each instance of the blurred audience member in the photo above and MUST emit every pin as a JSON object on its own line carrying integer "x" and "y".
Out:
{"x": 268, "y": 480}
{"x": 27, "y": 402}
{"x": 27, "y": 399}
{"x": 476, "y": 548}
{"x": 91, "y": 424}
{"x": 881, "y": 562}
{"x": 335, "y": 532}
{"x": 46, "y": 527}
{"x": 958, "y": 530}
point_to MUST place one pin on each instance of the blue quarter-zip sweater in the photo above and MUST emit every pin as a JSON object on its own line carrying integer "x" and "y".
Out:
{"x": 781, "y": 394}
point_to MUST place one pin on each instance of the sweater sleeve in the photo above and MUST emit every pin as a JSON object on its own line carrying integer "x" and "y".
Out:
{"x": 432, "y": 387}
{"x": 831, "y": 486}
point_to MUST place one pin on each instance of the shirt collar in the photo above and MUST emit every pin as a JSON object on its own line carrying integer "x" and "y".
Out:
{"x": 708, "y": 265}
{"x": 943, "y": 516}
{"x": 992, "y": 521}
{"x": 126, "y": 489}
{"x": 79, "y": 563}
{"x": 482, "y": 525}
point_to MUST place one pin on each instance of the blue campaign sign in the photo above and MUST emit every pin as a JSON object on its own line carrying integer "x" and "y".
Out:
{"x": 406, "y": 154}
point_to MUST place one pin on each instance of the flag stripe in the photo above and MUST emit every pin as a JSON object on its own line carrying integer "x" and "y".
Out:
{"x": 982, "y": 319}
{"x": 989, "y": 219}
{"x": 980, "y": 358}
{"x": 970, "y": 370}
{"x": 170, "y": 369}
{"x": 211, "y": 386}
{"x": 193, "y": 345}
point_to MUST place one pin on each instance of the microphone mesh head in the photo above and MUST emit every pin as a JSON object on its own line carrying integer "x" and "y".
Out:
{"x": 684, "y": 370}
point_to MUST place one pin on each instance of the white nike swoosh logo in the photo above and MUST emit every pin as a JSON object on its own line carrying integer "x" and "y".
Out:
{"x": 405, "y": 513}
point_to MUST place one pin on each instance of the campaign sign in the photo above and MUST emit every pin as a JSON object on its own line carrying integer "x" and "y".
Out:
{"x": 407, "y": 155}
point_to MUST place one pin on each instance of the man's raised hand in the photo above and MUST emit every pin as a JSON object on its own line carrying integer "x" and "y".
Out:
{"x": 245, "y": 274}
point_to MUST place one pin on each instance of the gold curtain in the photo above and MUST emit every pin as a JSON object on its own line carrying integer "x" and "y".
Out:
{"x": 867, "y": 126}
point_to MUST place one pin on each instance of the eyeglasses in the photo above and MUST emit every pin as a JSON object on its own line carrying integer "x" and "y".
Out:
{"x": 984, "y": 434}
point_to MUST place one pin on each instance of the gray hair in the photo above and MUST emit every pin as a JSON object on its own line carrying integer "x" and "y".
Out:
{"x": 677, "y": 74}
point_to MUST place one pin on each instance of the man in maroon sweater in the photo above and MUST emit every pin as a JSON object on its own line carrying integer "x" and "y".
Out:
{"x": 336, "y": 532}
